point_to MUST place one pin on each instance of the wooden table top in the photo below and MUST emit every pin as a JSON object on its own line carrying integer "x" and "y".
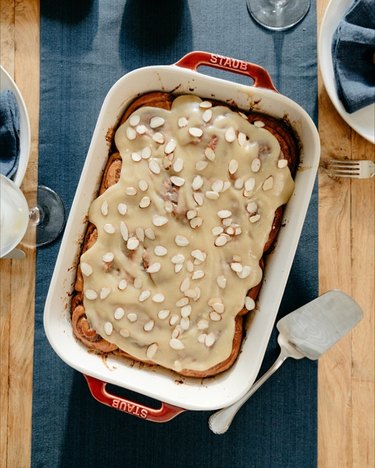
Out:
{"x": 346, "y": 391}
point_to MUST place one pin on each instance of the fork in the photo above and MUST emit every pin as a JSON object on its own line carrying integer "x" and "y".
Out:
{"x": 349, "y": 168}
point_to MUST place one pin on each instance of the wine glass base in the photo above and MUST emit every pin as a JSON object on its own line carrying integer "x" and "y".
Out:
{"x": 276, "y": 17}
{"x": 51, "y": 216}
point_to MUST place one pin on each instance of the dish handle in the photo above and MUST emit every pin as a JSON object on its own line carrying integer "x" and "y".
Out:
{"x": 258, "y": 74}
{"x": 164, "y": 414}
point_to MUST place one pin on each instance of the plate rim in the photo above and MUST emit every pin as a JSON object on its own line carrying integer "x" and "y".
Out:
{"x": 332, "y": 16}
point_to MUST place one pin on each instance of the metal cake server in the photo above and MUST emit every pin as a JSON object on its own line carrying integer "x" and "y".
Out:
{"x": 307, "y": 332}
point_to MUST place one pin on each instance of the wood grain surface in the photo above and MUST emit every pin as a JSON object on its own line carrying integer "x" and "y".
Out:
{"x": 346, "y": 392}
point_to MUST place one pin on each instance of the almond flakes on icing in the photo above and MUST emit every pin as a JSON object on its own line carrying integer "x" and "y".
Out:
{"x": 189, "y": 201}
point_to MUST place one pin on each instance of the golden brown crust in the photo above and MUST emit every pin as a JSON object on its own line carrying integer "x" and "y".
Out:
{"x": 81, "y": 327}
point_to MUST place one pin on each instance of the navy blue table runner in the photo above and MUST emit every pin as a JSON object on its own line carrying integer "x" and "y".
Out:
{"x": 85, "y": 47}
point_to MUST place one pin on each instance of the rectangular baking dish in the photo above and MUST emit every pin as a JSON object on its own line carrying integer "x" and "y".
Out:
{"x": 175, "y": 392}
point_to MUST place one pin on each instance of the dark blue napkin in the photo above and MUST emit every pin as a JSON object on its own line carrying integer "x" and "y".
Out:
{"x": 85, "y": 47}
{"x": 353, "y": 53}
{"x": 9, "y": 133}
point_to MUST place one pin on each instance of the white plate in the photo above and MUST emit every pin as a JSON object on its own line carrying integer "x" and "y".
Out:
{"x": 363, "y": 120}
{"x": 195, "y": 394}
{"x": 6, "y": 82}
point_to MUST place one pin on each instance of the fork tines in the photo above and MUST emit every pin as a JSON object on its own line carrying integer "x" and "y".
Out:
{"x": 348, "y": 168}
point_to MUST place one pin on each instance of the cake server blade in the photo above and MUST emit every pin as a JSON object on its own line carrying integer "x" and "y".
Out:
{"x": 307, "y": 332}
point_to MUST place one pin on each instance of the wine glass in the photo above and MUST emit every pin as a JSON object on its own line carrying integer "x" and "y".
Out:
{"x": 278, "y": 14}
{"x": 47, "y": 217}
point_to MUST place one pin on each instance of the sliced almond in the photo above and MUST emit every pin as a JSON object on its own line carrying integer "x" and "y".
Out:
{"x": 210, "y": 340}
{"x": 146, "y": 152}
{"x": 241, "y": 138}
{"x": 156, "y": 122}
{"x": 122, "y": 285}
{"x": 199, "y": 199}
{"x": 186, "y": 311}
{"x": 104, "y": 208}
{"x": 221, "y": 240}
{"x": 158, "y": 137}
{"x": 160, "y": 251}
{"x": 131, "y": 191}
{"x": 181, "y": 241}
{"x": 132, "y": 243}
{"x": 250, "y": 184}
{"x": 255, "y": 165}
{"x": 196, "y": 132}
{"x": 86, "y": 269}
{"x": 207, "y": 115}
{"x": 202, "y": 324}
{"x": 143, "y": 185}
{"x": 145, "y": 294}
{"x": 205, "y": 104}
{"x": 178, "y": 165}
{"x": 255, "y": 218}
{"x": 222, "y": 214}
{"x": 119, "y": 313}
{"x": 134, "y": 120}
{"x": 198, "y": 274}
{"x": 148, "y": 326}
{"x": 163, "y": 314}
{"x": 149, "y": 233}
{"x": 104, "y": 293}
{"x": 131, "y": 133}
{"x": 158, "y": 220}
{"x": 122, "y": 208}
{"x": 108, "y": 257}
{"x": 179, "y": 258}
{"x": 259, "y": 123}
{"x": 201, "y": 165}
{"x": 233, "y": 166}
{"x": 230, "y": 135}
{"x": 212, "y": 195}
{"x": 176, "y": 344}
{"x": 158, "y": 298}
{"x": 91, "y": 294}
{"x": 238, "y": 184}
{"x": 210, "y": 154}
{"x": 136, "y": 157}
{"x": 140, "y": 233}
{"x": 281, "y": 163}
{"x": 154, "y": 268}
{"x": 196, "y": 222}
{"x": 108, "y": 328}
{"x": 170, "y": 147}
{"x": 214, "y": 316}
{"x": 221, "y": 281}
{"x": 152, "y": 350}
{"x": 182, "y": 122}
{"x": 154, "y": 166}
{"x": 268, "y": 183}
{"x": 177, "y": 181}
{"x": 132, "y": 317}
{"x": 249, "y": 303}
{"x": 197, "y": 182}
{"x": 145, "y": 202}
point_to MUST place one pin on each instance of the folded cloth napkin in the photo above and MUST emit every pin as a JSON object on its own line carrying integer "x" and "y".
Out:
{"x": 9, "y": 133}
{"x": 353, "y": 54}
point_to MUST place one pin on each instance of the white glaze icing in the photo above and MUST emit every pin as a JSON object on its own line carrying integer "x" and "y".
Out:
{"x": 180, "y": 262}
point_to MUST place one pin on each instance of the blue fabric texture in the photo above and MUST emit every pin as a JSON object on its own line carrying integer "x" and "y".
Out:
{"x": 9, "y": 133}
{"x": 353, "y": 55}
{"x": 85, "y": 47}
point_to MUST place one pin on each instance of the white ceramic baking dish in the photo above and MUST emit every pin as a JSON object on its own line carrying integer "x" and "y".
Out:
{"x": 175, "y": 392}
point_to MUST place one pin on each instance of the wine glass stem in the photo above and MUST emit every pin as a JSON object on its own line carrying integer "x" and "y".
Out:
{"x": 35, "y": 216}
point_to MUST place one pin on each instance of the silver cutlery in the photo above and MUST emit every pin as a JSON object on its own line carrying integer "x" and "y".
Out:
{"x": 307, "y": 332}
{"x": 356, "y": 169}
